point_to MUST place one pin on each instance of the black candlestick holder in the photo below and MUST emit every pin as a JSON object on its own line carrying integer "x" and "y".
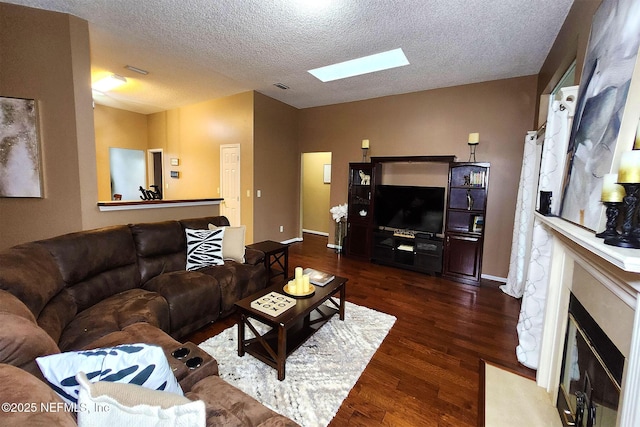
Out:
{"x": 612, "y": 212}
{"x": 630, "y": 206}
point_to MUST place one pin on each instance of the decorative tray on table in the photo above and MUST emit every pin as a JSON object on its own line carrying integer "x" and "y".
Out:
{"x": 312, "y": 290}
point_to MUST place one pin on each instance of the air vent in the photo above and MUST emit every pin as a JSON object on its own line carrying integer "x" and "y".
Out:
{"x": 281, "y": 86}
{"x": 136, "y": 69}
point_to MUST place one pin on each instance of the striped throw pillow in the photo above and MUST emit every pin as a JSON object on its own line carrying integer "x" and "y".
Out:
{"x": 141, "y": 364}
{"x": 204, "y": 248}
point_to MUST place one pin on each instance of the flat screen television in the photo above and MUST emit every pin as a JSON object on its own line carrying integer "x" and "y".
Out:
{"x": 409, "y": 208}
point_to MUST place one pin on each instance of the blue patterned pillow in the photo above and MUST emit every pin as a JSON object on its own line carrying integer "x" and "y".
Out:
{"x": 141, "y": 364}
{"x": 204, "y": 248}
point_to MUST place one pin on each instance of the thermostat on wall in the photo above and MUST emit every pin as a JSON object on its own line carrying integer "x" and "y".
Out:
{"x": 175, "y": 174}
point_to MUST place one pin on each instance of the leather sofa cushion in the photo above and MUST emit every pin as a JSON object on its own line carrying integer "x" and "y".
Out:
{"x": 114, "y": 313}
{"x": 145, "y": 333}
{"x": 229, "y": 406}
{"x": 193, "y": 297}
{"x": 253, "y": 277}
{"x": 56, "y": 315}
{"x": 203, "y": 223}
{"x": 229, "y": 293}
{"x": 20, "y": 387}
{"x": 95, "y": 264}
{"x": 253, "y": 256}
{"x": 134, "y": 333}
{"x": 236, "y": 281}
{"x": 21, "y": 341}
{"x": 30, "y": 273}
{"x": 10, "y": 304}
{"x": 160, "y": 247}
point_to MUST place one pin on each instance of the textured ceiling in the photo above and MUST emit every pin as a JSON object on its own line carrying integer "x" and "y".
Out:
{"x": 197, "y": 50}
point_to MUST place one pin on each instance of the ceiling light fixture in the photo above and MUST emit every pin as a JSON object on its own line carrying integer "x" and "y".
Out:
{"x": 356, "y": 67}
{"x": 136, "y": 70}
{"x": 109, "y": 83}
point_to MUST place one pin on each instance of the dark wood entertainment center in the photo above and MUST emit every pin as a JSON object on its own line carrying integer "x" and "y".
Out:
{"x": 457, "y": 256}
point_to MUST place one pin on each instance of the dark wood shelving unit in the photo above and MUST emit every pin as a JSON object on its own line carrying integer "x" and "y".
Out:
{"x": 458, "y": 256}
{"x": 360, "y": 214}
{"x": 413, "y": 159}
{"x": 465, "y": 221}
{"x": 421, "y": 253}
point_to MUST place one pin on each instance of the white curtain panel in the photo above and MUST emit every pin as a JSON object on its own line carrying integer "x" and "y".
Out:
{"x": 523, "y": 222}
{"x": 552, "y": 170}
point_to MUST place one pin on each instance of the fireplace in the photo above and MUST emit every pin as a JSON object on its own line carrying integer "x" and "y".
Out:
{"x": 591, "y": 373}
{"x": 590, "y": 344}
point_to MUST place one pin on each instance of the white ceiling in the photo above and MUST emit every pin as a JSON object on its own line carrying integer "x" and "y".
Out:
{"x": 197, "y": 50}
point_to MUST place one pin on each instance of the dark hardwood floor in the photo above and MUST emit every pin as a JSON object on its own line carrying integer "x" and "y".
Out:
{"x": 426, "y": 372}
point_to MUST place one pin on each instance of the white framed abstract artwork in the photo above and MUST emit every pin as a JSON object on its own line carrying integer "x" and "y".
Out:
{"x": 20, "y": 170}
{"x": 603, "y": 96}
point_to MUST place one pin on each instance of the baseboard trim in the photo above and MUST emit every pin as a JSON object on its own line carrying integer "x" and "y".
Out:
{"x": 319, "y": 233}
{"x": 494, "y": 278}
{"x": 294, "y": 240}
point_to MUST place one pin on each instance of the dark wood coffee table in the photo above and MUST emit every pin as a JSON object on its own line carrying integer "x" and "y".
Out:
{"x": 292, "y": 328}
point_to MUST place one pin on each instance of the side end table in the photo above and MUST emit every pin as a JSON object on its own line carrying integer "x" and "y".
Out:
{"x": 275, "y": 254}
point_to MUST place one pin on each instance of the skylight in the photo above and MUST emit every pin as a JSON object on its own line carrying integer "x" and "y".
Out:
{"x": 356, "y": 67}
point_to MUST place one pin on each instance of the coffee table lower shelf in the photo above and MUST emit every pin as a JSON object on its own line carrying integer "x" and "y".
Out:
{"x": 289, "y": 330}
{"x": 296, "y": 336}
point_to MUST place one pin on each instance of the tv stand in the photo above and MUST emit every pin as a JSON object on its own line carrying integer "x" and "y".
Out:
{"x": 419, "y": 251}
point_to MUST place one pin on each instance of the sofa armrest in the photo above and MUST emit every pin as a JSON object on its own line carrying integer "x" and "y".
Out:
{"x": 253, "y": 256}
{"x": 26, "y": 393}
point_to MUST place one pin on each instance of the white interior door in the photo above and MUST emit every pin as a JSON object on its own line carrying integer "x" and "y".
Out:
{"x": 230, "y": 182}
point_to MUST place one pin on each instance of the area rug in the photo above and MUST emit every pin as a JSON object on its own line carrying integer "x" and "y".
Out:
{"x": 319, "y": 374}
{"x": 513, "y": 400}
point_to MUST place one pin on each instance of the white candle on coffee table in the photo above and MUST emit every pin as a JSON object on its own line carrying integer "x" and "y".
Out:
{"x": 306, "y": 285}
{"x": 298, "y": 279}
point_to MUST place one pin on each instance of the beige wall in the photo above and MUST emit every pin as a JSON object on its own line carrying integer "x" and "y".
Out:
{"x": 315, "y": 193}
{"x": 277, "y": 170}
{"x": 45, "y": 56}
{"x": 436, "y": 122}
{"x": 430, "y": 174}
{"x": 35, "y": 63}
{"x": 193, "y": 134}
{"x": 116, "y": 128}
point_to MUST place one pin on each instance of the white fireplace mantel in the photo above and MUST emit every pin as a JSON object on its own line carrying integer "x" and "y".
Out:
{"x": 618, "y": 271}
{"x": 625, "y": 259}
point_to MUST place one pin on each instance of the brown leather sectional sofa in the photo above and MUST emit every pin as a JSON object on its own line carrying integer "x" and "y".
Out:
{"x": 118, "y": 285}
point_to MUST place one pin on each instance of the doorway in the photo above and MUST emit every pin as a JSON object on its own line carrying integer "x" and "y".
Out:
{"x": 230, "y": 182}
{"x": 316, "y": 192}
{"x": 155, "y": 169}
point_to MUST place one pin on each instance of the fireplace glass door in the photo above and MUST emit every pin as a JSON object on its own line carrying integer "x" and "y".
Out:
{"x": 589, "y": 393}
